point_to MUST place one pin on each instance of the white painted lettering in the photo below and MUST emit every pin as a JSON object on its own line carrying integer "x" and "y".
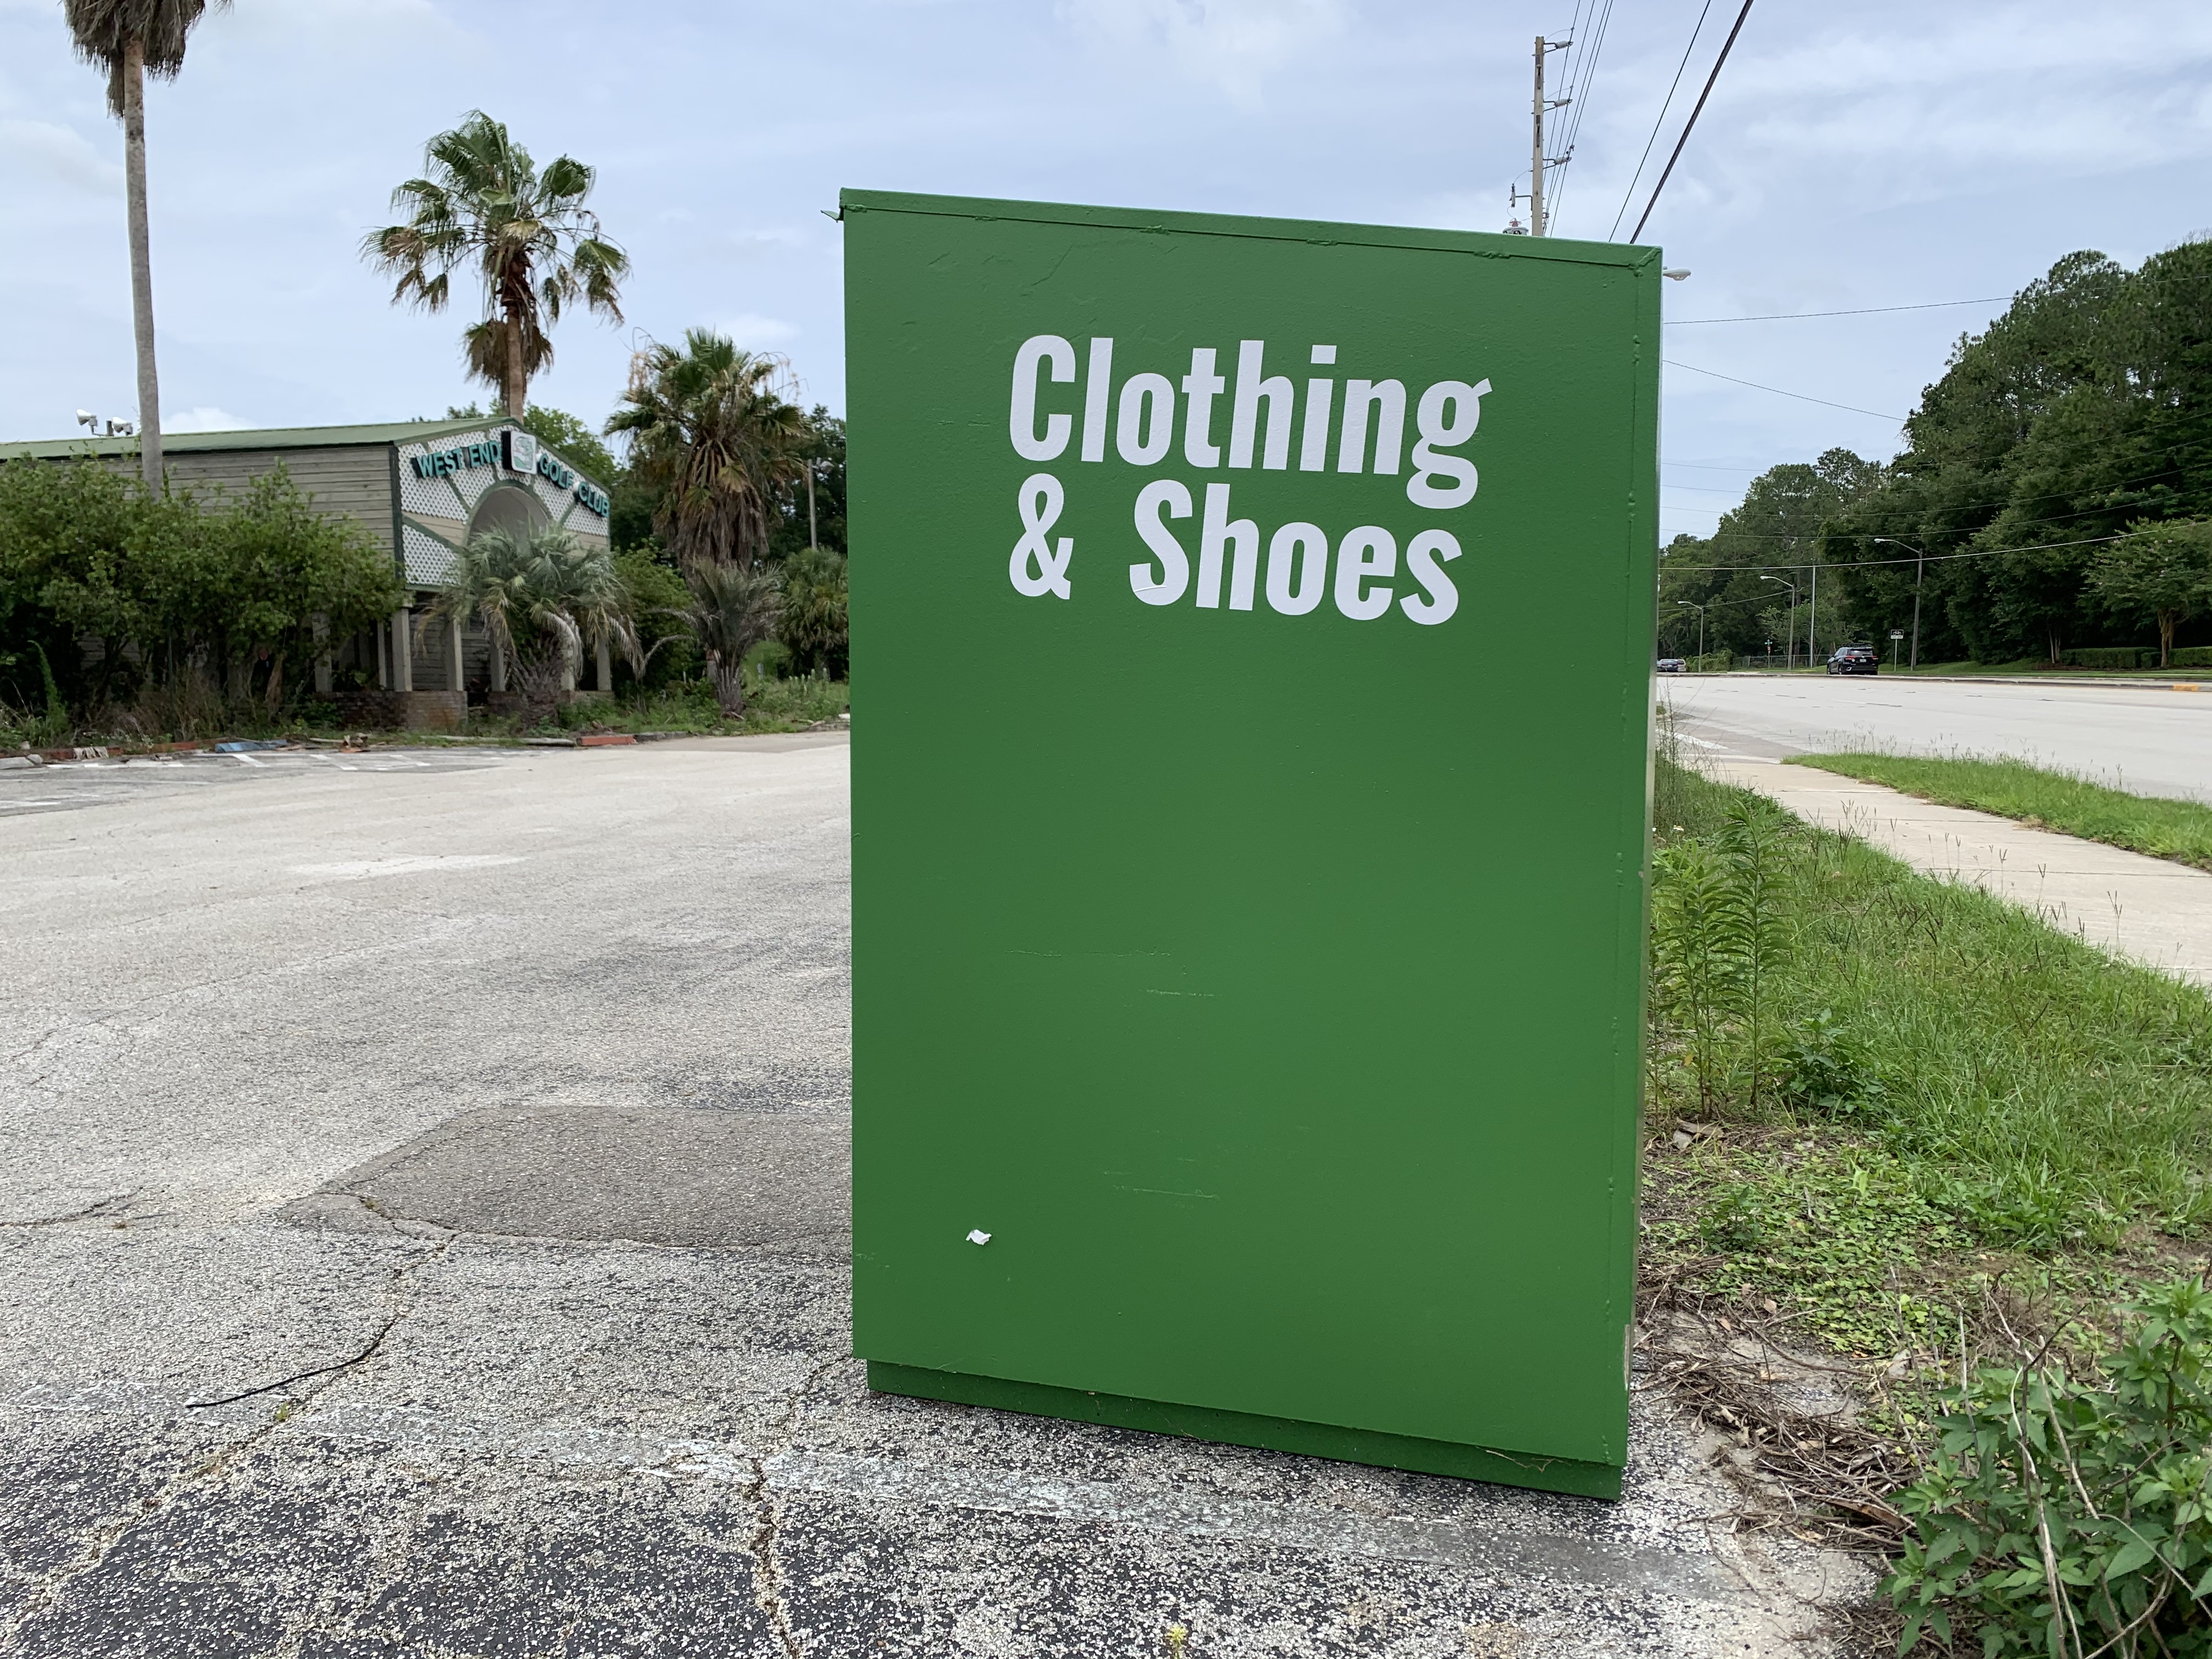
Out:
{"x": 1097, "y": 387}
{"x": 1307, "y": 544}
{"x": 1369, "y": 550}
{"x": 1251, "y": 389}
{"x": 1217, "y": 533}
{"x": 1359, "y": 397}
{"x": 1313, "y": 445}
{"x": 1438, "y": 434}
{"x": 1146, "y": 424}
{"x": 1174, "y": 564}
{"x": 1200, "y": 388}
{"x": 1424, "y": 555}
{"x": 1021, "y": 419}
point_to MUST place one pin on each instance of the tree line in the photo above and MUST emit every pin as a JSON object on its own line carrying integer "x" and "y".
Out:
{"x": 2052, "y": 494}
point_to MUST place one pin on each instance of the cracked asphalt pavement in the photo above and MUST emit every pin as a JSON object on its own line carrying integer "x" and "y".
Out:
{"x": 424, "y": 1230}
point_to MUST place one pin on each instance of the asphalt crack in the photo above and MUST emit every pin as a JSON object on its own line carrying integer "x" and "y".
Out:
{"x": 765, "y": 1544}
{"x": 103, "y": 1541}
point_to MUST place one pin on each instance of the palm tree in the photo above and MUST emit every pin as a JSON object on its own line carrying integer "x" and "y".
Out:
{"x": 131, "y": 39}
{"x": 733, "y": 608}
{"x": 484, "y": 202}
{"x": 544, "y": 598}
{"x": 812, "y": 626}
{"x": 712, "y": 433}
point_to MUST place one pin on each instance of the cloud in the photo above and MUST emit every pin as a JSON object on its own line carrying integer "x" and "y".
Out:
{"x": 39, "y": 149}
{"x": 205, "y": 418}
{"x": 758, "y": 333}
{"x": 1232, "y": 43}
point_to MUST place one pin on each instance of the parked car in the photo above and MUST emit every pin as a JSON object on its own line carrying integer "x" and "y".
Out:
{"x": 1673, "y": 666}
{"x": 1855, "y": 659}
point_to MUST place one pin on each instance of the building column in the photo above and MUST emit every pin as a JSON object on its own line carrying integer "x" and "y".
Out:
{"x": 322, "y": 657}
{"x": 457, "y": 665}
{"x": 403, "y": 650}
{"x": 606, "y": 667}
{"x": 381, "y": 633}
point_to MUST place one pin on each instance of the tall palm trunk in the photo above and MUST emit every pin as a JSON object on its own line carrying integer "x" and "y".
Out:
{"x": 517, "y": 381}
{"x": 142, "y": 258}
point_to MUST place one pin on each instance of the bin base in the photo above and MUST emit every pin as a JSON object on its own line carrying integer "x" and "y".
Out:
{"x": 1389, "y": 1451}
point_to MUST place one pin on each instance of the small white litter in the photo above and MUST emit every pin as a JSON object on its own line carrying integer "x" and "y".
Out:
{"x": 977, "y": 1235}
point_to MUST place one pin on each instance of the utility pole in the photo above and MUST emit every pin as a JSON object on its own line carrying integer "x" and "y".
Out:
{"x": 1537, "y": 152}
{"x": 1812, "y": 625}
{"x": 1538, "y": 225}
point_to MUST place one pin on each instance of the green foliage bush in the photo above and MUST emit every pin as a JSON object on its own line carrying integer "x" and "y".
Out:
{"x": 810, "y": 625}
{"x": 227, "y": 590}
{"x": 2069, "y": 1516}
{"x": 2112, "y": 656}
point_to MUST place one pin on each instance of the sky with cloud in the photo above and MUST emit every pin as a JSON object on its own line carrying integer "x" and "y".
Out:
{"x": 1882, "y": 153}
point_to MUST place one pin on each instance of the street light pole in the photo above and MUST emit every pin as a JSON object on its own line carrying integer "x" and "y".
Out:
{"x": 1919, "y": 574}
{"x": 1790, "y": 634}
{"x": 1700, "y": 610}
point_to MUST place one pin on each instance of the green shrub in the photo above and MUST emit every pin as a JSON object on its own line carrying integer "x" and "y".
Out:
{"x": 230, "y": 591}
{"x": 2111, "y": 656}
{"x": 2070, "y": 1515}
{"x": 810, "y": 624}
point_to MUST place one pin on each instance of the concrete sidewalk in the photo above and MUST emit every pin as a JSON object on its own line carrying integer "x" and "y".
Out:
{"x": 2148, "y": 911}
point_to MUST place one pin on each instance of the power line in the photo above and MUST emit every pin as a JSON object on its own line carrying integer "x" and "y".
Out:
{"x": 1779, "y": 392}
{"x": 1661, "y": 122}
{"x": 1933, "y": 558}
{"x": 1863, "y": 311}
{"x": 1583, "y": 76}
{"x": 1690, "y": 125}
{"x": 2004, "y": 506}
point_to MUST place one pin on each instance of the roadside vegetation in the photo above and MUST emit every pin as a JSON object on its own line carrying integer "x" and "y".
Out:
{"x": 2177, "y": 829}
{"x": 1902, "y": 1130}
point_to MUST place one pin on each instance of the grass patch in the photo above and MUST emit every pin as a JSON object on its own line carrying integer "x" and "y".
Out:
{"x": 2177, "y": 829}
{"x": 1884, "y": 1094}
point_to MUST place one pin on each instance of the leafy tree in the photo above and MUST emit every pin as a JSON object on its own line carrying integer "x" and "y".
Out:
{"x": 2086, "y": 408}
{"x": 820, "y": 452}
{"x": 166, "y": 583}
{"x": 811, "y": 626}
{"x": 2162, "y": 569}
{"x": 482, "y": 201}
{"x": 1777, "y": 530}
{"x": 714, "y": 437}
{"x": 131, "y": 39}
{"x": 659, "y": 603}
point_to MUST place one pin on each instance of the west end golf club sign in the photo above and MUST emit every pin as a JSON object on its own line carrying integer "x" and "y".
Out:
{"x": 1260, "y": 417}
{"x": 513, "y": 451}
{"x": 1247, "y": 1017}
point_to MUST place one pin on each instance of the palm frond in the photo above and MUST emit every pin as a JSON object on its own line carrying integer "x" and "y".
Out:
{"x": 482, "y": 202}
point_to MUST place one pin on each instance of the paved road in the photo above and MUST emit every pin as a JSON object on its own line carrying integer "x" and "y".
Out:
{"x": 2151, "y": 741}
{"x": 423, "y": 1231}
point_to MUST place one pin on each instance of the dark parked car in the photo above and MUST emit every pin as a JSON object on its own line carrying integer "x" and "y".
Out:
{"x": 1673, "y": 666}
{"x": 1855, "y": 659}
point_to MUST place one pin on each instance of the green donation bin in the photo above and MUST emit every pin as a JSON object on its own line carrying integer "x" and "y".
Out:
{"x": 1251, "y": 629}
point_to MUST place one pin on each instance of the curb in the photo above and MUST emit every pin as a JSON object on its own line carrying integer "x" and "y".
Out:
{"x": 605, "y": 740}
{"x": 1958, "y": 679}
